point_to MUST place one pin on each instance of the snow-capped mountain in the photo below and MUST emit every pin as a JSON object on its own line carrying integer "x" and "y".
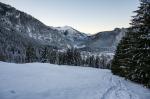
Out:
{"x": 73, "y": 35}
{"x": 104, "y": 41}
{"x": 27, "y": 25}
{"x": 71, "y": 32}
{"x": 20, "y": 32}
{"x": 61, "y": 37}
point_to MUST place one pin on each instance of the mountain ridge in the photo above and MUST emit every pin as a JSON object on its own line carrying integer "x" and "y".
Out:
{"x": 21, "y": 33}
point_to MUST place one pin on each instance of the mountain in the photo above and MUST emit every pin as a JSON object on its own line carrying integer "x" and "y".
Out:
{"x": 27, "y": 25}
{"x": 104, "y": 41}
{"x": 74, "y": 36}
{"x": 62, "y": 37}
{"x": 71, "y": 32}
{"x": 24, "y": 38}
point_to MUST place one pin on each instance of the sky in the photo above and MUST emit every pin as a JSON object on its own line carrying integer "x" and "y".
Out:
{"x": 89, "y": 16}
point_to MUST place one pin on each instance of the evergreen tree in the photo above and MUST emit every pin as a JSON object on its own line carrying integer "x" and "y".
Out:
{"x": 69, "y": 57}
{"x": 52, "y": 55}
{"x": 97, "y": 62}
{"x": 91, "y": 61}
{"x": 77, "y": 57}
{"x": 44, "y": 55}
{"x": 132, "y": 58}
{"x": 30, "y": 54}
{"x": 61, "y": 57}
{"x": 2, "y": 57}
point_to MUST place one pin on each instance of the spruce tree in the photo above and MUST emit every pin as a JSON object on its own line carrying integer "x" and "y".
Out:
{"x": 2, "y": 57}
{"x": 30, "y": 54}
{"x": 132, "y": 58}
{"x": 44, "y": 55}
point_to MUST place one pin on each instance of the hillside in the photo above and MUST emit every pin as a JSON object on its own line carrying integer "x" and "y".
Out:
{"x": 13, "y": 20}
{"x": 24, "y": 38}
{"x": 21, "y": 23}
{"x": 104, "y": 41}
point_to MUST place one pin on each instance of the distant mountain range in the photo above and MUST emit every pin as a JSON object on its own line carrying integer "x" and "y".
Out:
{"x": 19, "y": 30}
{"x": 104, "y": 41}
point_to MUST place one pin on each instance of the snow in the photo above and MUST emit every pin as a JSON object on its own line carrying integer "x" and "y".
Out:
{"x": 146, "y": 1}
{"x": 65, "y": 28}
{"x": 79, "y": 46}
{"x": 47, "y": 81}
{"x": 17, "y": 16}
{"x": 71, "y": 31}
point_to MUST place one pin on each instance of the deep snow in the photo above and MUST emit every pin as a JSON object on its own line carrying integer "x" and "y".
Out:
{"x": 47, "y": 81}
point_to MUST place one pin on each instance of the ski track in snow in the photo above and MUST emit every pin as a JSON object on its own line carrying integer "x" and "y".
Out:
{"x": 118, "y": 90}
{"x": 47, "y": 81}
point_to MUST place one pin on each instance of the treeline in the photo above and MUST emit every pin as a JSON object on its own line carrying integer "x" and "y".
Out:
{"x": 21, "y": 49}
{"x": 132, "y": 58}
{"x": 68, "y": 57}
{"x": 52, "y": 55}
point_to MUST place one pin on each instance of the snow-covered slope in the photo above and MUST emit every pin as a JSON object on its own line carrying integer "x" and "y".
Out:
{"x": 20, "y": 31}
{"x": 47, "y": 81}
{"x": 105, "y": 41}
{"x": 26, "y": 25}
{"x": 13, "y": 20}
{"x": 73, "y": 35}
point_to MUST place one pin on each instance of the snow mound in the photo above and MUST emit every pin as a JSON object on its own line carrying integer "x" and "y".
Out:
{"x": 47, "y": 81}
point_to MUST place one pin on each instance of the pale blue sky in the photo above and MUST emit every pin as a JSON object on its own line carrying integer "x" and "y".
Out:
{"x": 88, "y": 16}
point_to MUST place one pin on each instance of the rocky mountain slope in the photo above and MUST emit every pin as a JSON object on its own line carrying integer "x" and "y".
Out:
{"x": 104, "y": 41}
{"x": 27, "y": 25}
{"x": 21, "y": 34}
{"x": 63, "y": 37}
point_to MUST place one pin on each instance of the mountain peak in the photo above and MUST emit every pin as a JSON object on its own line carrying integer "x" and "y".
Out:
{"x": 65, "y": 28}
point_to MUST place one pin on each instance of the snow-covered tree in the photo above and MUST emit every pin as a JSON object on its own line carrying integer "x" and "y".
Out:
{"x": 30, "y": 54}
{"x": 132, "y": 58}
